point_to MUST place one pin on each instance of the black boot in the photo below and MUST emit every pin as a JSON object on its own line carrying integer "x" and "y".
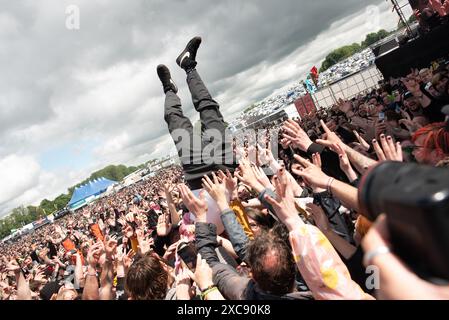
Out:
{"x": 165, "y": 77}
{"x": 187, "y": 59}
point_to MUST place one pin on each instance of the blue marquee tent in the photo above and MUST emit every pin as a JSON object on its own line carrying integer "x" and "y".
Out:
{"x": 92, "y": 188}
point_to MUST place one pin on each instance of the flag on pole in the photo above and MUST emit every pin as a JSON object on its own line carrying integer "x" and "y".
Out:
{"x": 314, "y": 75}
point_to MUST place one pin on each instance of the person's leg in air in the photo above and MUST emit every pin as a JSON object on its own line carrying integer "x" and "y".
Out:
{"x": 198, "y": 164}
{"x": 212, "y": 123}
{"x": 179, "y": 126}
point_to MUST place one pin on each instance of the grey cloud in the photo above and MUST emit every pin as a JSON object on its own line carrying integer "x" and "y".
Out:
{"x": 50, "y": 94}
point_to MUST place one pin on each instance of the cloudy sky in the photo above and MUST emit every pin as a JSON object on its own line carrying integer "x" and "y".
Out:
{"x": 73, "y": 101}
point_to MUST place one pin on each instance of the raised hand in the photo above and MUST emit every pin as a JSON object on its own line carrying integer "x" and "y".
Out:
{"x": 128, "y": 259}
{"x": 246, "y": 175}
{"x": 163, "y": 225}
{"x": 344, "y": 106}
{"x": 120, "y": 253}
{"x": 310, "y": 173}
{"x": 284, "y": 205}
{"x": 388, "y": 150}
{"x": 231, "y": 184}
{"x": 365, "y": 145}
{"x": 285, "y": 143}
{"x": 144, "y": 242}
{"x": 197, "y": 206}
{"x": 345, "y": 164}
{"x": 446, "y": 7}
{"x": 13, "y": 266}
{"x": 296, "y": 135}
{"x": 130, "y": 216}
{"x": 262, "y": 177}
{"x": 217, "y": 190}
{"x": 265, "y": 156}
{"x": 203, "y": 274}
{"x": 168, "y": 189}
{"x": 94, "y": 254}
{"x": 110, "y": 247}
{"x": 379, "y": 128}
{"x": 330, "y": 137}
{"x": 440, "y": 8}
{"x": 316, "y": 159}
{"x": 58, "y": 229}
{"x": 319, "y": 217}
{"x": 40, "y": 276}
{"x": 171, "y": 250}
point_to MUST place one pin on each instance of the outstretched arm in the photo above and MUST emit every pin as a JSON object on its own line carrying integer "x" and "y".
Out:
{"x": 319, "y": 264}
{"x": 90, "y": 291}
{"x": 346, "y": 249}
{"x": 23, "y": 289}
{"x": 360, "y": 162}
{"x": 171, "y": 205}
{"x": 107, "y": 272}
{"x": 317, "y": 179}
{"x": 237, "y": 236}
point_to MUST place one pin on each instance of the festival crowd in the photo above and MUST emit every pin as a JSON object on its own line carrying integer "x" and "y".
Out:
{"x": 268, "y": 226}
{"x": 431, "y": 13}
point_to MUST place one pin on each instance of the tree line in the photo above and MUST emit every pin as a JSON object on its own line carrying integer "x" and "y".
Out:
{"x": 345, "y": 52}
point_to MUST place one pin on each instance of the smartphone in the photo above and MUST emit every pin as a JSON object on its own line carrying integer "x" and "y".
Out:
{"x": 73, "y": 251}
{"x": 381, "y": 116}
{"x": 187, "y": 253}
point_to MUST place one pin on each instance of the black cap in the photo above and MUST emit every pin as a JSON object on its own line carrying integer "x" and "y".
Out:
{"x": 407, "y": 95}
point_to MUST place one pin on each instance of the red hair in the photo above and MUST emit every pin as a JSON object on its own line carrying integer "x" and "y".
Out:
{"x": 363, "y": 225}
{"x": 436, "y": 137}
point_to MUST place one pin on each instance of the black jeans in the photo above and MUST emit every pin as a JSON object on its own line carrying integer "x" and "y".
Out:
{"x": 199, "y": 155}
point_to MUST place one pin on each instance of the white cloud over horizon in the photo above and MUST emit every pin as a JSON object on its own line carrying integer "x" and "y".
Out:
{"x": 94, "y": 93}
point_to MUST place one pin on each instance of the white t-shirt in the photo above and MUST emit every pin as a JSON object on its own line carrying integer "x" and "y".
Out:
{"x": 213, "y": 213}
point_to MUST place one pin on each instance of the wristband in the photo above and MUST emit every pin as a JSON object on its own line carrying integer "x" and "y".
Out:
{"x": 329, "y": 185}
{"x": 207, "y": 291}
{"x": 370, "y": 255}
{"x": 208, "y": 288}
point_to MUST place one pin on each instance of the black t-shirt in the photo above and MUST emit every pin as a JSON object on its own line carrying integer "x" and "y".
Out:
{"x": 34, "y": 256}
{"x": 357, "y": 270}
{"x": 53, "y": 252}
{"x": 152, "y": 218}
{"x": 433, "y": 111}
{"x": 422, "y": 86}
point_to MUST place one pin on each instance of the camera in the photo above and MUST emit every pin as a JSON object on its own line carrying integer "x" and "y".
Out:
{"x": 415, "y": 199}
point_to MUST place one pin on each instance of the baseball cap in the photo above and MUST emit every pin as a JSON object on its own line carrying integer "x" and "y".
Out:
{"x": 407, "y": 95}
